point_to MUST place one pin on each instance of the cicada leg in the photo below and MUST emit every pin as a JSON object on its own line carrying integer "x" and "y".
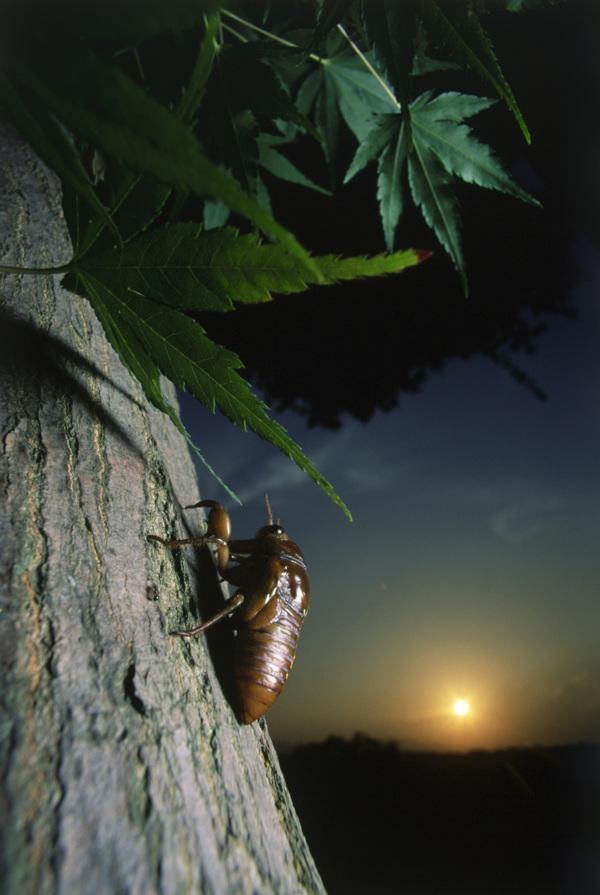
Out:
{"x": 198, "y": 541}
{"x": 231, "y": 606}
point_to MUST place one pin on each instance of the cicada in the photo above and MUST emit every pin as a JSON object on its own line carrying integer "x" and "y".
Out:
{"x": 270, "y": 604}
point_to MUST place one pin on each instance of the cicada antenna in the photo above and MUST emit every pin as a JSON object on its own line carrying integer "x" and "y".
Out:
{"x": 269, "y": 509}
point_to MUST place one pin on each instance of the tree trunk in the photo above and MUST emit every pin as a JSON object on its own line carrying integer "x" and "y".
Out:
{"x": 123, "y": 769}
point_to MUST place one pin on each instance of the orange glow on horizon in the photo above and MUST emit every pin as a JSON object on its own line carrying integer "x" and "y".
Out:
{"x": 462, "y": 718}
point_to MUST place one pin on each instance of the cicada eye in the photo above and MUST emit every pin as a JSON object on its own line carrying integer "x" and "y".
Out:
{"x": 270, "y": 530}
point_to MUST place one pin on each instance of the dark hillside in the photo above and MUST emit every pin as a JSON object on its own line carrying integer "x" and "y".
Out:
{"x": 513, "y": 822}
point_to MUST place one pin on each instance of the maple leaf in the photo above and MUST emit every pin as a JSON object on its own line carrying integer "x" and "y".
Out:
{"x": 444, "y": 150}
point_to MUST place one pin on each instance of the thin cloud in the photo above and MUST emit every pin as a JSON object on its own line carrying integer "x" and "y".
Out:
{"x": 566, "y": 710}
{"x": 276, "y": 474}
{"x": 526, "y": 516}
{"x": 516, "y": 510}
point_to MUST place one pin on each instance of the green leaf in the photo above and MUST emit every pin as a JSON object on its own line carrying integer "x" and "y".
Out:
{"x": 459, "y": 27}
{"x": 236, "y": 132}
{"x": 359, "y": 95}
{"x": 327, "y": 116}
{"x": 252, "y": 84}
{"x": 335, "y": 268}
{"x": 389, "y": 185}
{"x": 514, "y": 5}
{"x": 124, "y": 340}
{"x": 187, "y": 269}
{"x": 215, "y": 214}
{"x": 142, "y": 290}
{"x": 196, "y": 88}
{"x": 436, "y": 125}
{"x": 342, "y": 84}
{"x": 391, "y": 29}
{"x": 279, "y": 166}
{"x": 133, "y": 204}
{"x": 431, "y": 190}
{"x": 330, "y": 13}
{"x": 423, "y": 62}
{"x": 375, "y": 141}
{"x": 444, "y": 149}
{"x": 107, "y": 22}
{"x": 243, "y": 92}
{"x": 136, "y": 201}
{"x": 52, "y": 144}
{"x": 178, "y": 347}
{"x": 94, "y": 98}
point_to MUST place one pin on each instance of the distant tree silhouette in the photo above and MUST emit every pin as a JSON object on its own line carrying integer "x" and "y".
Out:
{"x": 380, "y": 819}
{"x": 355, "y": 349}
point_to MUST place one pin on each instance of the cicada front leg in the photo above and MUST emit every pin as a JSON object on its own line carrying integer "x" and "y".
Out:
{"x": 218, "y": 532}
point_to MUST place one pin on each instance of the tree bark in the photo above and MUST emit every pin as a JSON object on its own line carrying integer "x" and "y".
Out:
{"x": 122, "y": 767}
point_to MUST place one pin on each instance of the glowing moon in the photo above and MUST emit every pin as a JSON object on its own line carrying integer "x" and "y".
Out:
{"x": 461, "y": 707}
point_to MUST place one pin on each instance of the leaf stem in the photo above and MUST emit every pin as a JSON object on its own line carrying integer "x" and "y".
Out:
{"x": 366, "y": 62}
{"x": 235, "y": 33}
{"x": 275, "y": 37}
{"x": 37, "y": 271}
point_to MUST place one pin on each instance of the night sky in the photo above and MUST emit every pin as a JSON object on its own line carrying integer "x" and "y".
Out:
{"x": 471, "y": 568}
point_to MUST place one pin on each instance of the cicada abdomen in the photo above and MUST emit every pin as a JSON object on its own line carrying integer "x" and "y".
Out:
{"x": 270, "y": 619}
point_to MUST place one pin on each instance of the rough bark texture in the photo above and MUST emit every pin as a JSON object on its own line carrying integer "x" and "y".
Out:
{"x": 122, "y": 767}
